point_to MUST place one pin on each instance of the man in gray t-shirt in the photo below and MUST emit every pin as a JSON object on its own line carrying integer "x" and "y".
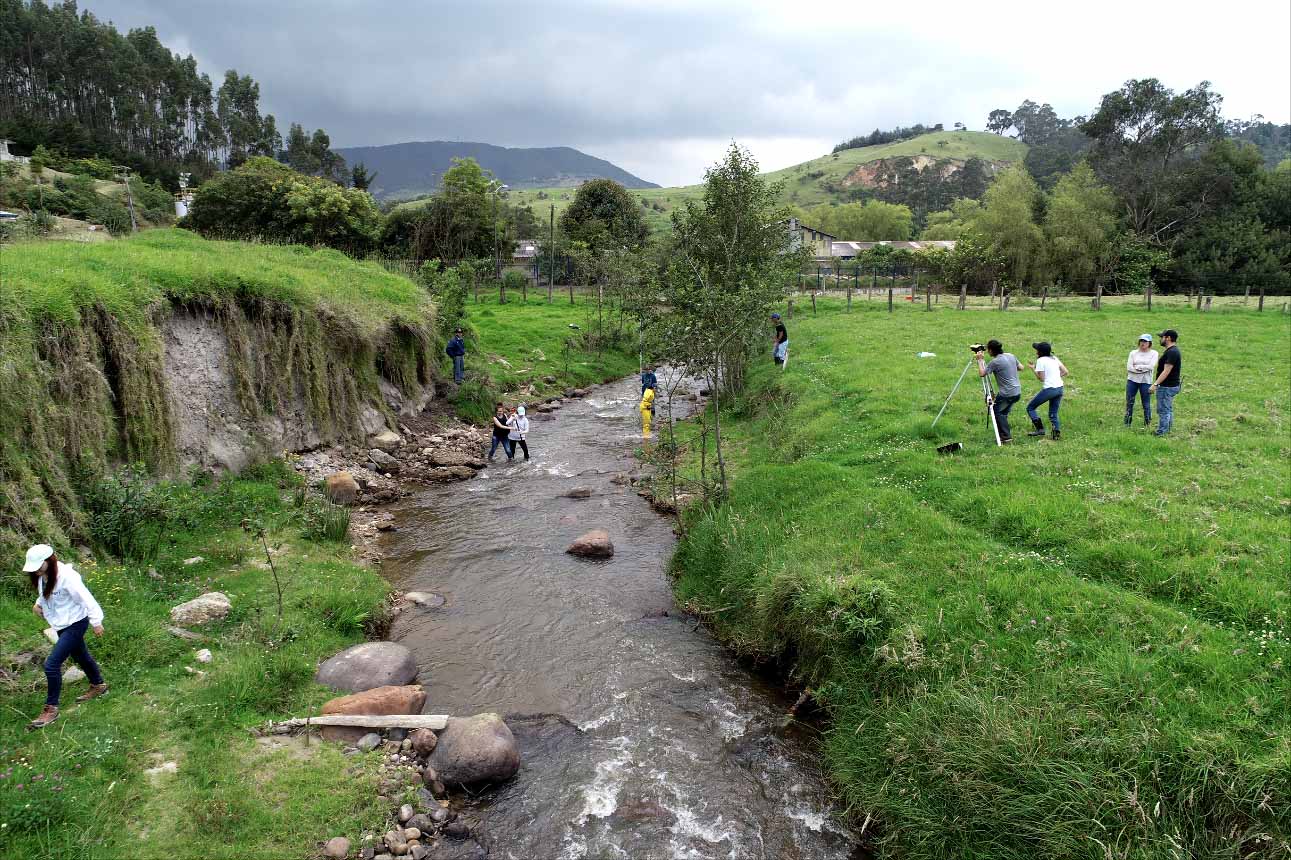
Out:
{"x": 1008, "y": 390}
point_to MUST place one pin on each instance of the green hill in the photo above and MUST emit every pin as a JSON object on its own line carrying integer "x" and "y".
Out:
{"x": 924, "y": 172}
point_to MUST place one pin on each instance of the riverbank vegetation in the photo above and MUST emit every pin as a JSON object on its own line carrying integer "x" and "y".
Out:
{"x": 97, "y": 783}
{"x": 81, "y": 354}
{"x": 1052, "y": 649}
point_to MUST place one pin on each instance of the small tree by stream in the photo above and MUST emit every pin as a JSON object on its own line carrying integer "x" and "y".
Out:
{"x": 731, "y": 265}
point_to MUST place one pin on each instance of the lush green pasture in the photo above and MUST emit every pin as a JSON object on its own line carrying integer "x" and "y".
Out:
{"x": 515, "y": 345}
{"x": 78, "y": 788}
{"x": 1062, "y": 649}
{"x": 57, "y": 280}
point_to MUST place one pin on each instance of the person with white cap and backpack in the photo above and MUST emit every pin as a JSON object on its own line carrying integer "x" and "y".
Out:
{"x": 68, "y": 607}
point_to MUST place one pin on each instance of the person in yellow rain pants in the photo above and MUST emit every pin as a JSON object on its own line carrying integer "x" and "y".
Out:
{"x": 647, "y": 411}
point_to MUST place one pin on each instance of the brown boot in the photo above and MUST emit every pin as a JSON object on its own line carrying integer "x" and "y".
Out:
{"x": 47, "y": 716}
{"x": 93, "y": 692}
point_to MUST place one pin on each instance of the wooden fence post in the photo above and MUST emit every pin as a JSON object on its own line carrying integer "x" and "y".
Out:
{"x": 963, "y": 295}
{"x": 524, "y": 290}
{"x": 1098, "y": 296}
{"x": 914, "y": 291}
{"x": 991, "y": 300}
{"x": 889, "y": 297}
{"x": 1246, "y": 300}
{"x": 813, "y": 303}
{"x": 1208, "y": 298}
{"x": 938, "y": 298}
{"x": 1261, "y": 298}
{"x": 1004, "y": 305}
{"x": 502, "y": 291}
{"x": 1044, "y": 296}
{"x": 874, "y": 282}
{"x": 849, "y": 298}
{"x": 927, "y": 299}
{"x": 789, "y": 312}
{"x": 1149, "y": 294}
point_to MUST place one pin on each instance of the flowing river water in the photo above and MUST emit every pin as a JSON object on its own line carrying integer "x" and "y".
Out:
{"x": 665, "y": 745}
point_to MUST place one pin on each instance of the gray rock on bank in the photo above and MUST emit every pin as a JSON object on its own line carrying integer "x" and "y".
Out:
{"x": 211, "y": 606}
{"x": 475, "y": 749}
{"x": 368, "y": 665}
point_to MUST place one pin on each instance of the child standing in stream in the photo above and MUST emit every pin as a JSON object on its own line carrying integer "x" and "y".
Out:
{"x": 67, "y": 606}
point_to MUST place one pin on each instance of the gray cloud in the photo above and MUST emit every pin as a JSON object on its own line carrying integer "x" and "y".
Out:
{"x": 661, "y": 86}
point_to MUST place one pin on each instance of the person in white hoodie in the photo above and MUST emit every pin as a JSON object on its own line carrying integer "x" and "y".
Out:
{"x": 519, "y": 432}
{"x": 1140, "y": 367}
{"x": 68, "y": 607}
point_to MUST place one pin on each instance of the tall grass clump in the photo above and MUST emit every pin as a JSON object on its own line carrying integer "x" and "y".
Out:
{"x": 1053, "y": 649}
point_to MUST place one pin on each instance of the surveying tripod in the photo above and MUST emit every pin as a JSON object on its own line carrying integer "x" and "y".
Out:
{"x": 988, "y": 394}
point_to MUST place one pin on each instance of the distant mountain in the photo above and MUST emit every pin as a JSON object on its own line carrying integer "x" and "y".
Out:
{"x": 409, "y": 169}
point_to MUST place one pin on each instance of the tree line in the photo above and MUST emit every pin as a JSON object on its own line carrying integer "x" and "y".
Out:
{"x": 82, "y": 89}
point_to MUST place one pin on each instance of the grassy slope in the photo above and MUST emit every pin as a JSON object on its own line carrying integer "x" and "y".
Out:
{"x": 800, "y": 188}
{"x": 57, "y": 280}
{"x": 239, "y": 798}
{"x": 1073, "y": 649}
{"x": 519, "y": 343}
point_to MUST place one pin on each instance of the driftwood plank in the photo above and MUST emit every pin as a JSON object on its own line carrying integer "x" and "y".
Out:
{"x": 434, "y": 722}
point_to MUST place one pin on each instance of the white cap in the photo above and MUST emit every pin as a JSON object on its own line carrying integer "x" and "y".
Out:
{"x": 1146, "y": 337}
{"x": 520, "y": 410}
{"x": 36, "y": 556}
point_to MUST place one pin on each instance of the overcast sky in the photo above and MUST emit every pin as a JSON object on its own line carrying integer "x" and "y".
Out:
{"x": 660, "y": 87}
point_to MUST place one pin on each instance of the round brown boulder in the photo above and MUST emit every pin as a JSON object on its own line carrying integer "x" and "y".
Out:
{"x": 368, "y": 665}
{"x": 341, "y": 488}
{"x": 594, "y": 544}
{"x": 378, "y": 701}
{"x": 475, "y": 749}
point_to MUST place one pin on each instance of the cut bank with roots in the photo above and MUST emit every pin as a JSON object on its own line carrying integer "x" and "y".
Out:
{"x": 172, "y": 351}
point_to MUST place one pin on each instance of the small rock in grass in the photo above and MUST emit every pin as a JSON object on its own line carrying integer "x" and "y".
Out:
{"x": 204, "y": 655}
{"x": 369, "y": 742}
{"x": 197, "y": 559}
{"x": 422, "y": 822}
{"x": 337, "y": 848}
{"x": 405, "y": 812}
{"x": 211, "y": 606}
{"x": 72, "y": 675}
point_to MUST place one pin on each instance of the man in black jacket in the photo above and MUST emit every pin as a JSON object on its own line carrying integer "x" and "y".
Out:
{"x": 457, "y": 349}
{"x": 1168, "y": 382}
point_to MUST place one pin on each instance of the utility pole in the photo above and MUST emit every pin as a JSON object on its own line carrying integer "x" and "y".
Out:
{"x": 125, "y": 177}
{"x": 551, "y": 248}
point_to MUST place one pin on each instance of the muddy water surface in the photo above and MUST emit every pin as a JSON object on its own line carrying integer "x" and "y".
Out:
{"x": 665, "y": 745}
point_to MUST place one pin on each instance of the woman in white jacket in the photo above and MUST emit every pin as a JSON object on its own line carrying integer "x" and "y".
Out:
{"x": 519, "y": 432}
{"x": 67, "y": 606}
{"x": 1140, "y": 367}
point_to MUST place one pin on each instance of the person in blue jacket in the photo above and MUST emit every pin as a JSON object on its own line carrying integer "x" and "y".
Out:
{"x": 457, "y": 349}
{"x": 648, "y": 379}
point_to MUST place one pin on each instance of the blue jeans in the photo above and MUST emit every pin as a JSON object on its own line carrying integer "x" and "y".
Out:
{"x": 507, "y": 447}
{"x": 1053, "y": 396}
{"x": 71, "y": 643}
{"x": 459, "y": 368}
{"x": 1143, "y": 390}
{"x": 1003, "y": 403}
{"x": 1165, "y": 407}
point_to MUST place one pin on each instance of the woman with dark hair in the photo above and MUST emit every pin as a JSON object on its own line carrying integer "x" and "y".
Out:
{"x": 67, "y": 606}
{"x": 1050, "y": 371}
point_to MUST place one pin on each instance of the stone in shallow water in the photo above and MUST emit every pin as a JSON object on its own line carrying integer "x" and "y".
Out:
{"x": 593, "y": 544}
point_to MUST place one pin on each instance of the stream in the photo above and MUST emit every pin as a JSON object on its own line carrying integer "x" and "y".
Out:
{"x": 665, "y": 745}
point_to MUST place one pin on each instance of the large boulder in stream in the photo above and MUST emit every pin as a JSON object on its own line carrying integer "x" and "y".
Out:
{"x": 475, "y": 749}
{"x": 378, "y": 701}
{"x": 594, "y": 544}
{"x": 368, "y": 665}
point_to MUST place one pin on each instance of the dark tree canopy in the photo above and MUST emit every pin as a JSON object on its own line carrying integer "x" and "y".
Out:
{"x": 603, "y": 214}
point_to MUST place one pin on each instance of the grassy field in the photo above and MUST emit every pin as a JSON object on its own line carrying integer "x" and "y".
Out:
{"x": 1055, "y": 649}
{"x": 517, "y": 344}
{"x": 802, "y": 187}
{"x": 56, "y": 281}
{"x": 78, "y": 788}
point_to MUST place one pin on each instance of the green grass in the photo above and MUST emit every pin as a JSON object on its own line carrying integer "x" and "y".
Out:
{"x": 238, "y": 797}
{"x": 58, "y": 280}
{"x": 515, "y": 345}
{"x": 801, "y": 187}
{"x": 1054, "y": 649}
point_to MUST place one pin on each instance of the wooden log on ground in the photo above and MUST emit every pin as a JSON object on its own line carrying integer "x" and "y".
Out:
{"x": 434, "y": 722}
